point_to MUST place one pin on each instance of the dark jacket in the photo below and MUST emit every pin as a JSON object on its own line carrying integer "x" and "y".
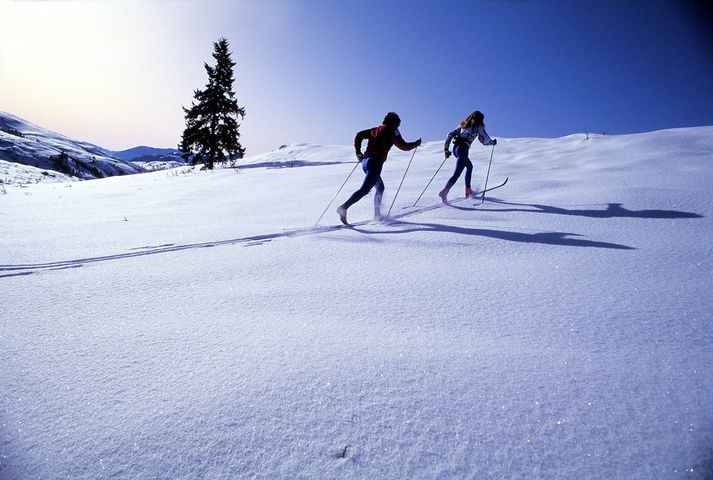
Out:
{"x": 380, "y": 140}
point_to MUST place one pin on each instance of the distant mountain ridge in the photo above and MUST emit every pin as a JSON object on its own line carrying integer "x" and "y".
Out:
{"x": 28, "y": 144}
{"x": 144, "y": 151}
{"x": 150, "y": 158}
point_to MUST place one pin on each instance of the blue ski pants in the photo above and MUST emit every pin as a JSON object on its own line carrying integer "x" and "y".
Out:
{"x": 461, "y": 151}
{"x": 372, "y": 167}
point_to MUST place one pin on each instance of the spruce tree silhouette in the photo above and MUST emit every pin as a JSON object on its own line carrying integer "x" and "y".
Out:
{"x": 212, "y": 129}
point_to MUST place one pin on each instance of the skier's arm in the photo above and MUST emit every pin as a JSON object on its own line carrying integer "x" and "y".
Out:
{"x": 447, "y": 146}
{"x": 402, "y": 144}
{"x": 358, "y": 139}
{"x": 484, "y": 138}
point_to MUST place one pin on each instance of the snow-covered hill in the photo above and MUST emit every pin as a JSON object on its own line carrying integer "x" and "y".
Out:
{"x": 188, "y": 324}
{"x": 151, "y": 159}
{"x": 55, "y": 156}
{"x": 144, "y": 151}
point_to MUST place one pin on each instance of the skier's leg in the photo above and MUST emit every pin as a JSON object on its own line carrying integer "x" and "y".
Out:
{"x": 372, "y": 167}
{"x": 468, "y": 172}
{"x": 460, "y": 165}
{"x": 378, "y": 195}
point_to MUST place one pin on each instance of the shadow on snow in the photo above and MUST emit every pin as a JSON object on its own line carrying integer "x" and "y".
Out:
{"x": 546, "y": 238}
{"x": 613, "y": 210}
{"x": 288, "y": 164}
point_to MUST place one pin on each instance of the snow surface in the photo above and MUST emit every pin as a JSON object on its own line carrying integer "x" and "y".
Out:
{"x": 185, "y": 324}
{"x": 12, "y": 173}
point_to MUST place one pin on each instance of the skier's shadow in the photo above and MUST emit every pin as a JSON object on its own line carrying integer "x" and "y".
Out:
{"x": 546, "y": 238}
{"x": 612, "y": 210}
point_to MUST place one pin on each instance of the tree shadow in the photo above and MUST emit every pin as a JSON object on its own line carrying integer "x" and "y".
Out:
{"x": 612, "y": 210}
{"x": 545, "y": 238}
{"x": 289, "y": 164}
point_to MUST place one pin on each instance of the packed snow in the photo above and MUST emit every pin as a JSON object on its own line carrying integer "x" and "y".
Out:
{"x": 197, "y": 324}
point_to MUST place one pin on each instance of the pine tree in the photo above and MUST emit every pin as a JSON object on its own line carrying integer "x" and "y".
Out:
{"x": 212, "y": 128}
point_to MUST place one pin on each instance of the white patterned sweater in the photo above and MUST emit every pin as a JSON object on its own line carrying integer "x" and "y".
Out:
{"x": 468, "y": 135}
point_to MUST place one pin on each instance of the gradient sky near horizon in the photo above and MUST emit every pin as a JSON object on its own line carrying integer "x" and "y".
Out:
{"x": 117, "y": 72}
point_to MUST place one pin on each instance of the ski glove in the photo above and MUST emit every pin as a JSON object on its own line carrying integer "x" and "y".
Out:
{"x": 360, "y": 156}
{"x": 494, "y": 141}
{"x": 448, "y": 153}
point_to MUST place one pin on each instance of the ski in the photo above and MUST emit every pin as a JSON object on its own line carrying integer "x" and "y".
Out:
{"x": 395, "y": 218}
{"x": 480, "y": 193}
{"x": 439, "y": 205}
{"x": 475, "y": 195}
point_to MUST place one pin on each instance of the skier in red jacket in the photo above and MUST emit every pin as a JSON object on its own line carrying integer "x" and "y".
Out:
{"x": 380, "y": 140}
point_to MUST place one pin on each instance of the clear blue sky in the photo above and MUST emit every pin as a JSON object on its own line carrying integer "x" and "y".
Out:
{"x": 116, "y": 73}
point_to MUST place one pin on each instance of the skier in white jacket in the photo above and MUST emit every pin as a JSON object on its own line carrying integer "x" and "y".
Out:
{"x": 470, "y": 128}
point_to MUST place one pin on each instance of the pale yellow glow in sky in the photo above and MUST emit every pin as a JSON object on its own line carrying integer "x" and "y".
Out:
{"x": 61, "y": 58}
{"x": 114, "y": 73}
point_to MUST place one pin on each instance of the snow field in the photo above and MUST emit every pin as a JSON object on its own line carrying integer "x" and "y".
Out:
{"x": 195, "y": 326}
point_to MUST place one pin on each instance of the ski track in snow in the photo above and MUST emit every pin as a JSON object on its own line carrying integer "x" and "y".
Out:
{"x": 561, "y": 330}
{"x": 548, "y": 238}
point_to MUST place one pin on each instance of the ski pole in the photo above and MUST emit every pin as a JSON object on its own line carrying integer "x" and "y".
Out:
{"x": 335, "y": 195}
{"x": 482, "y": 200}
{"x": 429, "y": 182}
{"x": 402, "y": 182}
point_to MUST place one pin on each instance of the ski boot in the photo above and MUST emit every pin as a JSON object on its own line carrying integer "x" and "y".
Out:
{"x": 342, "y": 212}
{"x": 444, "y": 195}
{"x": 468, "y": 192}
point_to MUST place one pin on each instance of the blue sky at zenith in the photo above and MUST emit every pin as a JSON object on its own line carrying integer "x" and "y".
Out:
{"x": 319, "y": 70}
